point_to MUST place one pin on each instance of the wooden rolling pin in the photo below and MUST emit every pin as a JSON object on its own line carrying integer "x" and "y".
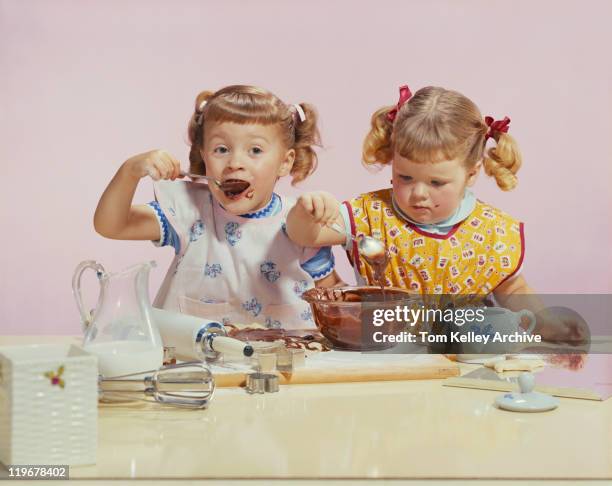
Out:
{"x": 435, "y": 367}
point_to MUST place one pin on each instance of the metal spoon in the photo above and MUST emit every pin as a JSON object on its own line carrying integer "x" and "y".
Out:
{"x": 225, "y": 186}
{"x": 372, "y": 249}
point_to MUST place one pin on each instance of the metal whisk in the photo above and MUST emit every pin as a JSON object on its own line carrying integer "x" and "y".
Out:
{"x": 186, "y": 385}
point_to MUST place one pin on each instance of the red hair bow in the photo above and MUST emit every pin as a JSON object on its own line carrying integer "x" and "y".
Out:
{"x": 405, "y": 95}
{"x": 496, "y": 126}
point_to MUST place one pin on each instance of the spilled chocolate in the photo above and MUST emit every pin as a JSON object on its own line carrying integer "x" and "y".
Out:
{"x": 569, "y": 361}
{"x": 310, "y": 339}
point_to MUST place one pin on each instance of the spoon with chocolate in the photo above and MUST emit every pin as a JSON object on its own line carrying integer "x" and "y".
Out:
{"x": 231, "y": 186}
{"x": 372, "y": 249}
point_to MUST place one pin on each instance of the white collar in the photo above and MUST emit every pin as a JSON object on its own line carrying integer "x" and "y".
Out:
{"x": 467, "y": 205}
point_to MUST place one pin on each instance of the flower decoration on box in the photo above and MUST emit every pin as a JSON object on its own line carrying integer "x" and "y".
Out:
{"x": 56, "y": 377}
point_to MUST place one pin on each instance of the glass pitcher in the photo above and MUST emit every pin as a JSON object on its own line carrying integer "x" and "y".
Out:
{"x": 120, "y": 330}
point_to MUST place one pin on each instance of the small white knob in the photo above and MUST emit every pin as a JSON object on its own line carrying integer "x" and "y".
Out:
{"x": 526, "y": 382}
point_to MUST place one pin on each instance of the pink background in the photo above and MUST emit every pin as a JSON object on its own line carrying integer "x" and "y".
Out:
{"x": 86, "y": 84}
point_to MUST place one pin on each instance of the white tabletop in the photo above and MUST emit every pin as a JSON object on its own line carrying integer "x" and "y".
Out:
{"x": 401, "y": 429}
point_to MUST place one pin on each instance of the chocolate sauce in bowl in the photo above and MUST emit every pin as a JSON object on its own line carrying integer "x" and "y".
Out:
{"x": 344, "y": 315}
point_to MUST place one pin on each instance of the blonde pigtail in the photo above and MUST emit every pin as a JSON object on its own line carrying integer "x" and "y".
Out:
{"x": 377, "y": 147}
{"x": 306, "y": 138}
{"x": 503, "y": 161}
{"x": 195, "y": 132}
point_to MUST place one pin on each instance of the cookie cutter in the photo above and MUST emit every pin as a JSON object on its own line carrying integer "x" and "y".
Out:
{"x": 262, "y": 382}
{"x": 289, "y": 358}
{"x": 275, "y": 356}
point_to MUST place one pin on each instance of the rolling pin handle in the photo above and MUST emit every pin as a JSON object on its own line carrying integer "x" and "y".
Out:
{"x": 224, "y": 344}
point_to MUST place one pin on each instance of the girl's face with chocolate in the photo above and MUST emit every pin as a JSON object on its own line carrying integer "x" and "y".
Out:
{"x": 430, "y": 192}
{"x": 252, "y": 153}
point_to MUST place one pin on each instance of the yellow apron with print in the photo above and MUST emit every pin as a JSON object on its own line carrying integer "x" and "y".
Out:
{"x": 477, "y": 255}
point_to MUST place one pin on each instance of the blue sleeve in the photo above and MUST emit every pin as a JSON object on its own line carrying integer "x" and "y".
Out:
{"x": 167, "y": 232}
{"x": 320, "y": 265}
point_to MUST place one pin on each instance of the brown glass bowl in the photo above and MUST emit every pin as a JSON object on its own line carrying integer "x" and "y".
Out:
{"x": 345, "y": 315}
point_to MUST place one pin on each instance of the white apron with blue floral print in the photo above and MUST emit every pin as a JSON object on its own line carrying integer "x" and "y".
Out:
{"x": 232, "y": 268}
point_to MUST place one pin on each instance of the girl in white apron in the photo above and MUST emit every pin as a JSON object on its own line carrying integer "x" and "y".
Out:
{"x": 233, "y": 259}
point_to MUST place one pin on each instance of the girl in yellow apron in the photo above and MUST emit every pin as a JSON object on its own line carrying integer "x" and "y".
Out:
{"x": 439, "y": 237}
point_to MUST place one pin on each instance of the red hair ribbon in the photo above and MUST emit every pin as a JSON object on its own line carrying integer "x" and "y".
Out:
{"x": 405, "y": 95}
{"x": 496, "y": 126}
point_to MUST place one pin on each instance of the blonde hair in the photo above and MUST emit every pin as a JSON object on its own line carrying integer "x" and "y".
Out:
{"x": 438, "y": 124}
{"x": 250, "y": 104}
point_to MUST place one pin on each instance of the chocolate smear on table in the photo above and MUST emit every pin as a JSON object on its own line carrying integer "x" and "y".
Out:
{"x": 309, "y": 339}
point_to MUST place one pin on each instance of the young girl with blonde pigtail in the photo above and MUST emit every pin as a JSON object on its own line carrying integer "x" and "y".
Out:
{"x": 440, "y": 239}
{"x": 233, "y": 259}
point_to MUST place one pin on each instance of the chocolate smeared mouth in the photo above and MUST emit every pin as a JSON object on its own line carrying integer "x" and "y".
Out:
{"x": 234, "y": 187}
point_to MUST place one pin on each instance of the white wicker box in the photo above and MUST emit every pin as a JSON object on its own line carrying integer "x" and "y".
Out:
{"x": 48, "y": 405}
